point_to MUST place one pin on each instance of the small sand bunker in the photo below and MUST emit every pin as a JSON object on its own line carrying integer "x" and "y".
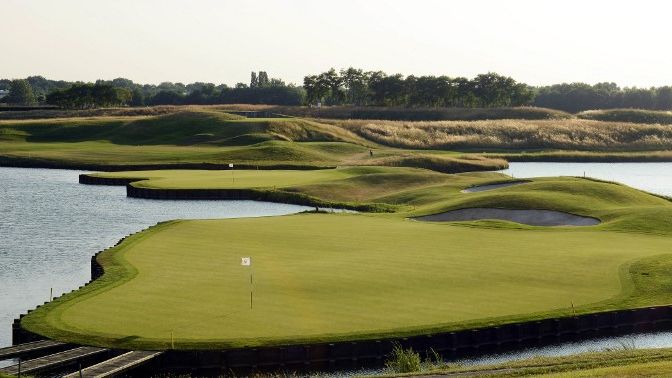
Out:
{"x": 483, "y": 188}
{"x": 530, "y": 217}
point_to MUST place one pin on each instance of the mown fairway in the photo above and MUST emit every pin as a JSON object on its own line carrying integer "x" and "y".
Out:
{"x": 190, "y": 179}
{"x": 327, "y": 277}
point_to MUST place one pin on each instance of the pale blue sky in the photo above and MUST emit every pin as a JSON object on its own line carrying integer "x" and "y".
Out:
{"x": 150, "y": 41}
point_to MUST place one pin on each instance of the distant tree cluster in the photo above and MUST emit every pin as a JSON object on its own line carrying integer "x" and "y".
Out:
{"x": 577, "y": 97}
{"x": 30, "y": 91}
{"x": 124, "y": 92}
{"x": 357, "y": 87}
{"x": 86, "y": 96}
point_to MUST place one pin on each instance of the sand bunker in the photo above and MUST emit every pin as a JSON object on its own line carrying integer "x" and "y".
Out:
{"x": 530, "y": 217}
{"x": 483, "y": 188}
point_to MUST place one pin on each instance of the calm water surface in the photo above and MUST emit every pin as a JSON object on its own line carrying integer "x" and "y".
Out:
{"x": 50, "y": 226}
{"x": 651, "y": 177}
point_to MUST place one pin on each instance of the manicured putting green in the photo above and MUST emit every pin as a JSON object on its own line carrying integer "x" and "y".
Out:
{"x": 324, "y": 277}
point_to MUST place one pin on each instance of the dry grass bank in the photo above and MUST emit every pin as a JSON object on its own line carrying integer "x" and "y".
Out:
{"x": 569, "y": 134}
{"x": 337, "y": 112}
{"x": 422, "y": 114}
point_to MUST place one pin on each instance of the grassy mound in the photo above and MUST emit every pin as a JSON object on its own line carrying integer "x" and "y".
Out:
{"x": 204, "y": 136}
{"x": 628, "y": 115}
{"x": 340, "y": 112}
{"x": 182, "y": 128}
{"x": 443, "y": 163}
{"x": 571, "y": 134}
{"x": 100, "y": 112}
{"x": 423, "y": 114}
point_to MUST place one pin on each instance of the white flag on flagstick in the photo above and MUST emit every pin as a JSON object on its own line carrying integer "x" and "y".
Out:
{"x": 245, "y": 261}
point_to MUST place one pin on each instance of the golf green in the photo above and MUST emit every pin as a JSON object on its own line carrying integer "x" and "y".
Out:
{"x": 337, "y": 276}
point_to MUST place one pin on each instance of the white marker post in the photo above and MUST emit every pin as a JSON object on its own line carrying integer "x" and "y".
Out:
{"x": 247, "y": 261}
{"x": 233, "y": 178}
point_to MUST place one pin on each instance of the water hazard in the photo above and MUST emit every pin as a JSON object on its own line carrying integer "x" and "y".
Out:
{"x": 50, "y": 226}
{"x": 651, "y": 177}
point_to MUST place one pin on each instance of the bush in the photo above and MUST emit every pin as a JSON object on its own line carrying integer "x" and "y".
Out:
{"x": 403, "y": 360}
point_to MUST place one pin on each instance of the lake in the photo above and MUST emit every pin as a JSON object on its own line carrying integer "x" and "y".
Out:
{"x": 651, "y": 177}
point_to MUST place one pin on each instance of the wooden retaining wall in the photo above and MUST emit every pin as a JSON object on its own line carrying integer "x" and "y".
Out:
{"x": 266, "y": 195}
{"x": 450, "y": 345}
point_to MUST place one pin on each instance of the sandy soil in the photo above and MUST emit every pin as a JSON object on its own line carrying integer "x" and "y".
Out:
{"x": 530, "y": 217}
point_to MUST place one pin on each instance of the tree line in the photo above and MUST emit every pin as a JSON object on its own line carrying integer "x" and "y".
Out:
{"x": 349, "y": 86}
{"x": 359, "y": 87}
{"x": 577, "y": 97}
{"x": 124, "y": 92}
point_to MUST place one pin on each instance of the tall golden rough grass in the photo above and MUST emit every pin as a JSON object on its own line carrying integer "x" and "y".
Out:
{"x": 574, "y": 134}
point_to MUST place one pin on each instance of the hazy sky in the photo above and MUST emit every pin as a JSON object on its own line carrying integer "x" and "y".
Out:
{"x": 535, "y": 41}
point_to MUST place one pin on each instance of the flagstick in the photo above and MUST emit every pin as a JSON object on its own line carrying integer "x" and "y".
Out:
{"x": 251, "y": 290}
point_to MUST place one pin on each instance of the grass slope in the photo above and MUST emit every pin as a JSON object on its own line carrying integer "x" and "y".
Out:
{"x": 327, "y": 277}
{"x": 207, "y": 136}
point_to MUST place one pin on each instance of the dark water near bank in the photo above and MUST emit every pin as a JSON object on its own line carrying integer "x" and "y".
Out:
{"x": 50, "y": 226}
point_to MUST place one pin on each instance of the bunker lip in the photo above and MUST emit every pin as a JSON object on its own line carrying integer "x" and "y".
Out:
{"x": 530, "y": 217}
{"x": 483, "y": 188}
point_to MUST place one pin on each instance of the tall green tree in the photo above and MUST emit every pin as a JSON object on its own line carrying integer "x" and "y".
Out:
{"x": 356, "y": 83}
{"x": 21, "y": 93}
{"x": 137, "y": 97}
{"x": 664, "y": 98}
{"x": 316, "y": 89}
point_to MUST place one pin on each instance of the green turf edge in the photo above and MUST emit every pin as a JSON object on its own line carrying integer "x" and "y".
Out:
{"x": 280, "y": 196}
{"x": 46, "y": 321}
